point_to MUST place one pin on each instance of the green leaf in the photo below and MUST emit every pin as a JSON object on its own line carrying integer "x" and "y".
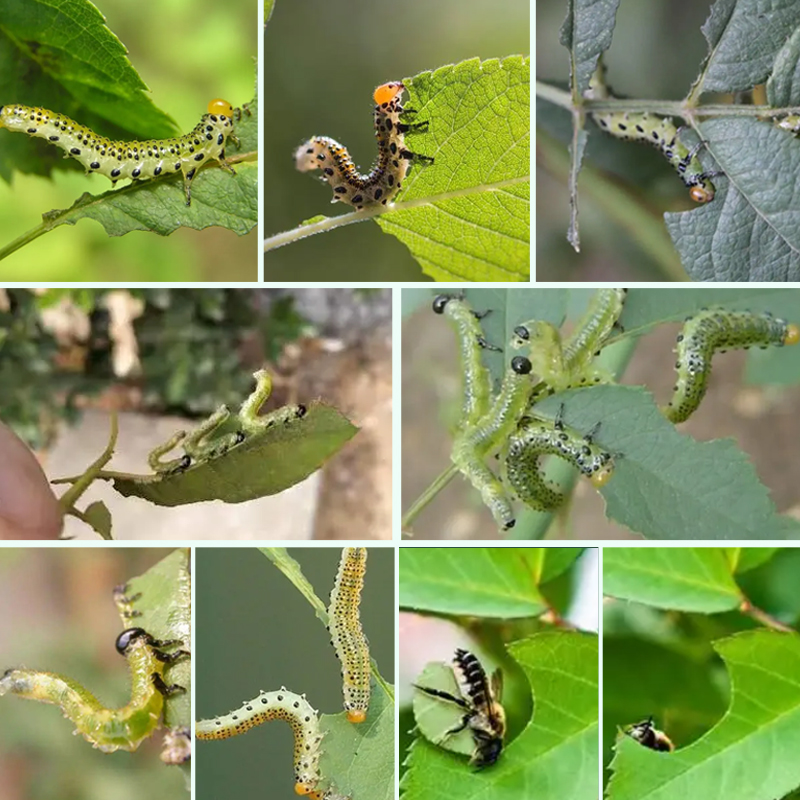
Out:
{"x": 586, "y": 33}
{"x": 667, "y": 485}
{"x": 62, "y": 56}
{"x": 736, "y": 28}
{"x": 98, "y": 517}
{"x": 261, "y": 465}
{"x": 681, "y": 578}
{"x": 748, "y": 558}
{"x": 555, "y": 755}
{"x": 643, "y": 678}
{"x": 466, "y": 217}
{"x": 716, "y": 241}
{"x": 783, "y": 86}
{"x": 361, "y": 757}
{"x": 482, "y": 581}
{"x": 755, "y": 744}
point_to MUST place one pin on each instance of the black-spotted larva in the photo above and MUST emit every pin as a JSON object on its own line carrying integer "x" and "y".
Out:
{"x": 535, "y": 438}
{"x": 711, "y": 330}
{"x": 347, "y": 636}
{"x": 660, "y": 132}
{"x": 282, "y": 705}
{"x": 137, "y": 160}
{"x": 384, "y": 180}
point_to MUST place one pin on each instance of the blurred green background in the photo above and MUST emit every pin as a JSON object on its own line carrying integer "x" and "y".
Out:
{"x": 64, "y": 620}
{"x": 656, "y": 53}
{"x": 661, "y": 662}
{"x": 256, "y": 632}
{"x": 347, "y": 49}
{"x": 187, "y": 52}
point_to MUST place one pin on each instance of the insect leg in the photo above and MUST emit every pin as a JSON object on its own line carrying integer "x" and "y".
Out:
{"x": 167, "y": 691}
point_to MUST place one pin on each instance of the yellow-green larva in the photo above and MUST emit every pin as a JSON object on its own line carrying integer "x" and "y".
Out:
{"x": 790, "y": 123}
{"x": 535, "y": 438}
{"x": 472, "y": 445}
{"x": 347, "y": 635}
{"x": 288, "y": 707}
{"x": 659, "y": 132}
{"x": 715, "y": 329}
{"x": 137, "y": 160}
{"x": 476, "y": 388}
{"x": 107, "y": 729}
{"x": 384, "y": 180}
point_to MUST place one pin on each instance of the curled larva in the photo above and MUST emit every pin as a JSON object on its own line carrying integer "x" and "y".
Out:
{"x": 472, "y": 445}
{"x": 535, "y": 438}
{"x": 711, "y": 330}
{"x": 476, "y": 387}
{"x": 282, "y": 705}
{"x": 347, "y": 636}
{"x": 660, "y": 132}
{"x": 137, "y": 160}
{"x": 384, "y": 180}
{"x": 107, "y": 729}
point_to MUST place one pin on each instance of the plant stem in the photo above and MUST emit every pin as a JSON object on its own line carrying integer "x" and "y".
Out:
{"x": 428, "y": 495}
{"x": 763, "y": 617}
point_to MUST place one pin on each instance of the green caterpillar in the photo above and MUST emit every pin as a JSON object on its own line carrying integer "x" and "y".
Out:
{"x": 472, "y": 445}
{"x": 108, "y": 729}
{"x": 709, "y": 331}
{"x": 537, "y": 437}
{"x": 471, "y": 341}
{"x": 660, "y": 132}
{"x": 569, "y": 365}
{"x": 135, "y": 160}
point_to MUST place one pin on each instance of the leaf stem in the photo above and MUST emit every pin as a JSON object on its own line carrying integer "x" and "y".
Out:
{"x": 81, "y": 484}
{"x": 428, "y": 495}
{"x": 763, "y": 617}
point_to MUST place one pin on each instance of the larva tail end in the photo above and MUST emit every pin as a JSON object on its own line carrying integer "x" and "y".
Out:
{"x": 792, "y": 335}
{"x": 387, "y": 92}
{"x": 218, "y": 106}
{"x": 602, "y": 476}
{"x": 356, "y": 716}
{"x": 702, "y": 194}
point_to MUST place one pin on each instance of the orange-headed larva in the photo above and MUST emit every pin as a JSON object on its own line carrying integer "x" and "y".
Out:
{"x": 347, "y": 637}
{"x": 137, "y": 160}
{"x": 384, "y": 180}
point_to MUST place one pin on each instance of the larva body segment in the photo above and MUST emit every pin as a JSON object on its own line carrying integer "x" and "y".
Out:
{"x": 712, "y": 330}
{"x": 790, "y": 123}
{"x": 659, "y": 132}
{"x": 282, "y": 705}
{"x": 593, "y": 329}
{"x": 137, "y": 160}
{"x": 347, "y": 635}
{"x": 535, "y": 438}
{"x": 476, "y": 387}
{"x": 472, "y": 445}
{"x": 384, "y": 180}
{"x": 107, "y": 729}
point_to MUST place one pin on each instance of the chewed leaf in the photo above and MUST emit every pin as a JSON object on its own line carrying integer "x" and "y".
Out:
{"x": 467, "y": 216}
{"x": 261, "y": 465}
{"x": 436, "y": 717}
{"x": 756, "y": 741}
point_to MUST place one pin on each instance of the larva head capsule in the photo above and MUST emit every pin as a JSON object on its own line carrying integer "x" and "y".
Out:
{"x": 792, "y": 335}
{"x": 702, "y": 193}
{"x": 602, "y": 476}
{"x": 356, "y": 716}
{"x": 387, "y": 92}
{"x": 220, "y": 108}
{"x": 128, "y": 636}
